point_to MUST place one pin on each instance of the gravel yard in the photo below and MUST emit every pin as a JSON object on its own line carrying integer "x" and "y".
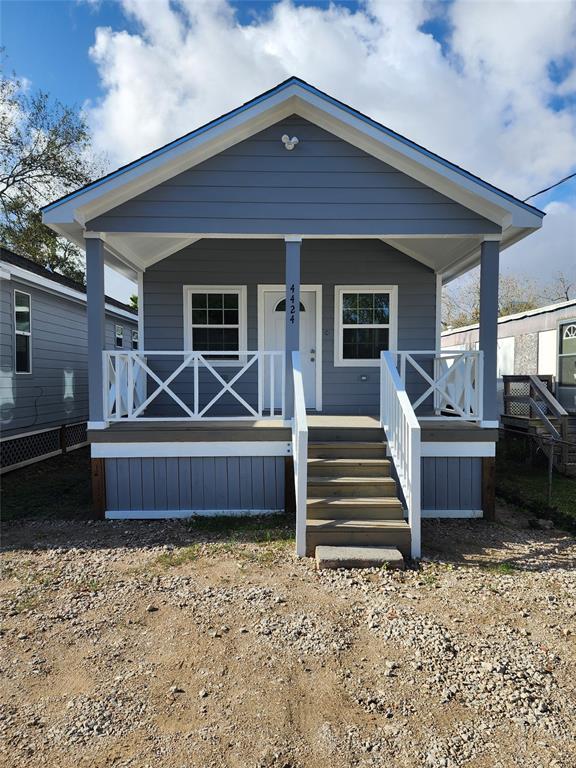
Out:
{"x": 183, "y": 644}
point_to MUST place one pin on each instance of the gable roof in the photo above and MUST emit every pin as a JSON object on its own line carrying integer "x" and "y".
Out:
{"x": 129, "y": 252}
{"x": 278, "y": 89}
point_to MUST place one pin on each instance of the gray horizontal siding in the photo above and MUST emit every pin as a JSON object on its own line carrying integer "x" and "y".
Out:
{"x": 324, "y": 186}
{"x": 451, "y": 483}
{"x": 202, "y": 483}
{"x": 59, "y": 356}
{"x": 252, "y": 262}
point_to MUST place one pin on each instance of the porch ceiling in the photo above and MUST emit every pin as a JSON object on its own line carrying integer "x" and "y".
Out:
{"x": 450, "y": 257}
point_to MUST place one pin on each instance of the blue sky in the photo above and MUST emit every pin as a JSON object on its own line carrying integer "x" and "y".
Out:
{"x": 490, "y": 86}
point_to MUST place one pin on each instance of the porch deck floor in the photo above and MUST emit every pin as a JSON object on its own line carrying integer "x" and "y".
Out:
{"x": 275, "y": 429}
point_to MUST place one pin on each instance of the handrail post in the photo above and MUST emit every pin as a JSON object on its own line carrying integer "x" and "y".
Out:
{"x": 300, "y": 453}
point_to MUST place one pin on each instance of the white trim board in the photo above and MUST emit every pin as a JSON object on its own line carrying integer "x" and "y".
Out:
{"x": 451, "y": 513}
{"x": 168, "y": 514}
{"x": 458, "y": 450}
{"x": 317, "y": 289}
{"x": 196, "y": 449}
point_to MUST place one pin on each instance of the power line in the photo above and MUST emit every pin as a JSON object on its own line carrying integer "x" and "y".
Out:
{"x": 566, "y": 178}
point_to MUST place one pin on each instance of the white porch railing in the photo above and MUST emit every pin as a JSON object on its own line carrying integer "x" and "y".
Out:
{"x": 131, "y": 385}
{"x": 300, "y": 454}
{"x": 452, "y": 378}
{"x": 402, "y": 429}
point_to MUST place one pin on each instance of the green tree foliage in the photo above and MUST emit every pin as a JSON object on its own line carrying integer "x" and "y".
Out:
{"x": 44, "y": 153}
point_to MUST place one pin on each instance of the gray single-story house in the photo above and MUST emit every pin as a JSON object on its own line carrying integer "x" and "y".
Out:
{"x": 291, "y": 256}
{"x": 44, "y": 359}
{"x": 539, "y": 341}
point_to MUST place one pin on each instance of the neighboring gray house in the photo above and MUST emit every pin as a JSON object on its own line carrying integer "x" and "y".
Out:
{"x": 540, "y": 341}
{"x": 44, "y": 358}
{"x": 290, "y": 257}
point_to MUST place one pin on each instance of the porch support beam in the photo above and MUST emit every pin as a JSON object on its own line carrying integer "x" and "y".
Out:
{"x": 292, "y": 330}
{"x": 488, "y": 343}
{"x": 95, "y": 296}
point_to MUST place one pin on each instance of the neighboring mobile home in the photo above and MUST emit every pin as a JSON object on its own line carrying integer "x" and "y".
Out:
{"x": 291, "y": 256}
{"x": 541, "y": 342}
{"x": 44, "y": 359}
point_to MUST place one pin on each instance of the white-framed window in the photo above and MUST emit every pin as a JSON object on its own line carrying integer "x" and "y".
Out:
{"x": 118, "y": 336}
{"x": 567, "y": 354}
{"x": 22, "y": 332}
{"x": 215, "y": 320}
{"x": 365, "y": 323}
{"x": 134, "y": 338}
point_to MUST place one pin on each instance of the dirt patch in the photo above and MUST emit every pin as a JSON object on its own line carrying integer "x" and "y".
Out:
{"x": 161, "y": 644}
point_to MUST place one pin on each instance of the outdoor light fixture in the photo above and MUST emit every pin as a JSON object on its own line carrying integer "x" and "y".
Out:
{"x": 288, "y": 142}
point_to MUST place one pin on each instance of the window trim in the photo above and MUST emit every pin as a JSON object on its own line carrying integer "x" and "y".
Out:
{"x": 339, "y": 291}
{"x": 241, "y": 292}
{"x": 23, "y": 333}
{"x": 116, "y": 345}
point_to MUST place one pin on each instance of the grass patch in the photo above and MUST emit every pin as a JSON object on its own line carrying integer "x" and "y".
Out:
{"x": 525, "y": 484}
{"x": 504, "y": 569}
{"x": 56, "y": 488}
{"x": 178, "y": 557}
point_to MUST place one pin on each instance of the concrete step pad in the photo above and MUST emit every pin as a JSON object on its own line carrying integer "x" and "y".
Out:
{"x": 358, "y": 557}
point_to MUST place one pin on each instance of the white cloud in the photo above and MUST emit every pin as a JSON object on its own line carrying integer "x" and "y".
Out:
{"x": 484, "y": 101}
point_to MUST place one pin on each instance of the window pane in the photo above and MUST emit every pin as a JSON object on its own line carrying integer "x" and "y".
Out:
{"x": 231, "y": 317}
{"x": 230, "y": 301}
{"x": 364, "y": 343}
{"x": 22, "y": 354}
{"x": 199, "y": 301}
{"x": 350, "y": 301}
{"x": 381, "y": 308}
{"x": 350, "y": 317}
{"x": 568, "y": 339}
{"x": 215, "y": 317}
{"x": 215, "y": 339}
{"x": 365, "y": 300}
{"x": 365, "y": 316}
{"x": 215, "y": 301}
{"x": 567, "y": 371}
{"x": 22, "y": 304}
{"x": 199, "y": 316}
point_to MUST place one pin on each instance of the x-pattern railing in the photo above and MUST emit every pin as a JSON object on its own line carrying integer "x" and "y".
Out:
{"x": 454, "y": 380}
{"x": 126, "y": 375}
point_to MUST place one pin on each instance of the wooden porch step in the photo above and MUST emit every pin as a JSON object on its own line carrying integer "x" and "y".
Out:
{"x": 356, "y": 467}
{"x": 343, "y": 450}
{"x": 354, "y": 532}
{"x": 342, "y": 508}
{"x": 351, "y": 486}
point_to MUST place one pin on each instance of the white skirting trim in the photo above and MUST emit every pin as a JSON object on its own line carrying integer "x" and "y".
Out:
{"x": 454, "y": 513}
{"x": 458, "y": 450}
{"x": 167, "y": 514}
{"x": 181, "y": 450}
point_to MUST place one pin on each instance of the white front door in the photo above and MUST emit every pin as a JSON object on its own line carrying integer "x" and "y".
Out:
{"x": 273, "y": 338}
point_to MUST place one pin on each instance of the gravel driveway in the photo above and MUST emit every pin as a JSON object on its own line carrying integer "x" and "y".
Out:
{"x": 162, "y": 644}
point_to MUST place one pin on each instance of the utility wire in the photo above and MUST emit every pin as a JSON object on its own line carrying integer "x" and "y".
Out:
{"x": 557, "y": 184}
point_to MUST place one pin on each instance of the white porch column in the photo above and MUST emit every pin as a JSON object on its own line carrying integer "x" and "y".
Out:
{"x": 292, "y": 341}
{"x": 95, "y": 296}
{"x": 489, "y": 272}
